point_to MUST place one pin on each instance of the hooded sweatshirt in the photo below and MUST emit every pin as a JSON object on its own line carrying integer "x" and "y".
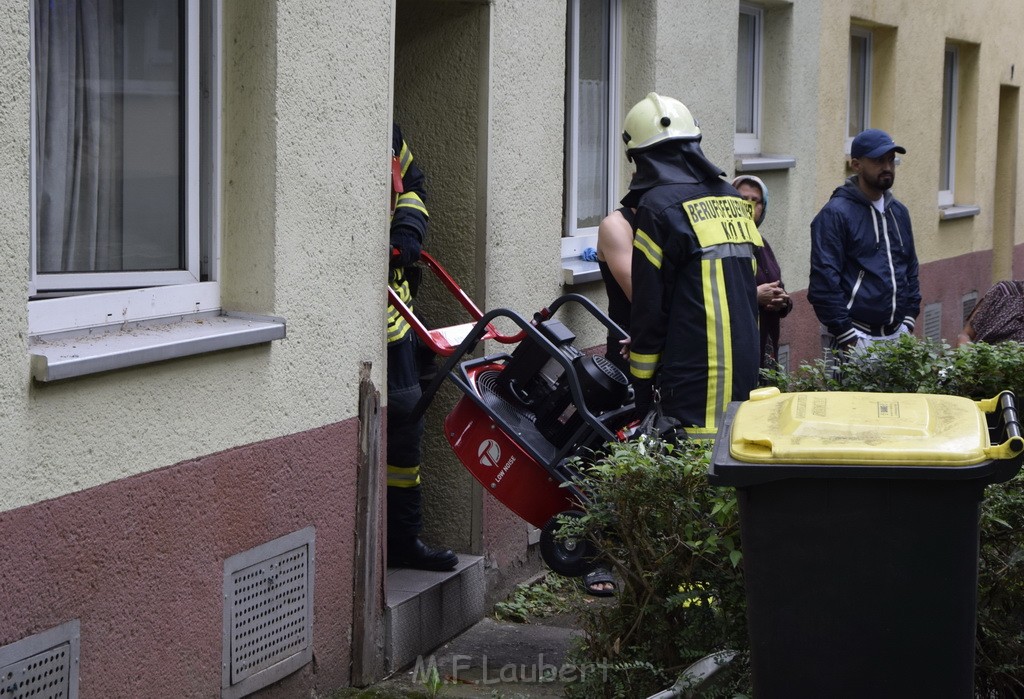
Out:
{"x": 863, "y": 265}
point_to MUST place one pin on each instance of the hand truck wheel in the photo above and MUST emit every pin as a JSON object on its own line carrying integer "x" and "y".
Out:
{"x": 570, "y": 557}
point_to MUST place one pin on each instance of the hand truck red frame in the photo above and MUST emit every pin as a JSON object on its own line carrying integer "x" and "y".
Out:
{"x": 524, "y": 416}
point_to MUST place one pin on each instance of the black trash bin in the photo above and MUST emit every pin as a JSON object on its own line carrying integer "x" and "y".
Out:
{"x": 859, "y": 519}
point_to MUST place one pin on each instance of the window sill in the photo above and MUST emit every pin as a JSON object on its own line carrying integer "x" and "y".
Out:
{"x": 761, "y": 162}
{"x": 955, "y": 211}
{"x": 65, "y": 355}
{"x": 576, "y": 270}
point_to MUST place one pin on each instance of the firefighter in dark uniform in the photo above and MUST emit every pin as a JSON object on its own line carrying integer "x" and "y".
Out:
{"x": 694, "y": 336}
{"x": 404, "y": 435}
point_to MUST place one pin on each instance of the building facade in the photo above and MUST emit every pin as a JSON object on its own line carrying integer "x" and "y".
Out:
{"x": 193, "y": 344}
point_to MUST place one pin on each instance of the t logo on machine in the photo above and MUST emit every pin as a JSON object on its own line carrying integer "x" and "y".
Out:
{"x": 489, "y": 453}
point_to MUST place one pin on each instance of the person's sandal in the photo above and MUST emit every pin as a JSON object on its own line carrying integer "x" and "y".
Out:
{"x": 598, "y": 576}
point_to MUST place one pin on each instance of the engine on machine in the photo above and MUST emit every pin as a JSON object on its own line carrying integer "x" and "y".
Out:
{"x": 537, "y": 381}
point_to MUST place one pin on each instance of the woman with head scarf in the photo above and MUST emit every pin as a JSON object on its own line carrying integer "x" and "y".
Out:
{"x": 772, "y": 300}
{"x": 998, "y": 316}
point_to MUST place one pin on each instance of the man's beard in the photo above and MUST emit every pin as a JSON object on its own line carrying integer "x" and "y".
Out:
{"x": 882, "y": 182}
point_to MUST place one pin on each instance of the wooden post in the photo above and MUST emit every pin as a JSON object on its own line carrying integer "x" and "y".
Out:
{"x": 368, "y": 577}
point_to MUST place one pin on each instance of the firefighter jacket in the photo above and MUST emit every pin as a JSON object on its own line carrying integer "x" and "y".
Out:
{"x": 863, "y": 265}
{"x": 694, "y": 314}
{"x": 408, "y": 230}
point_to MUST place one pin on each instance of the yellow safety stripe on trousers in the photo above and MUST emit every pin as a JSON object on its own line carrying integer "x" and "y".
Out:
{"x": 411, "y": 200}
{"x": 399, "y": 477}
{"x": 642, "y": 366}
{"x": 701, "y": 432}
{"x": 405, "y": 158}
{"x": 716, "y": 307}
{"x": 650, "y": 249}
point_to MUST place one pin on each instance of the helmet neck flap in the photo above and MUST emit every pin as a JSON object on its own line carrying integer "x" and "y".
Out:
{"x": 671, "y": 162}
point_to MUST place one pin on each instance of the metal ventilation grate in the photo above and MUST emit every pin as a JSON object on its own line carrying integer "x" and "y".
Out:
{"x": 784, "y": 357}
{"x": 43, "y": 666}
{"x": 970, "y": 299}
{"x": 933, "y": 321}
{"x": 268, "y": 613}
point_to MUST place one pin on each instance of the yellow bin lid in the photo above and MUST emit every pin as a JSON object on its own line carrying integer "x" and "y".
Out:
{"x": 900, "y": 429}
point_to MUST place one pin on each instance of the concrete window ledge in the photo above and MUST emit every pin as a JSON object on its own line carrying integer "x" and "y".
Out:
{"x": 948, "y": 213}
{"x": 762, "y": 162}
{"x": 576, "y": 270}
{"x": 79, "y": 353}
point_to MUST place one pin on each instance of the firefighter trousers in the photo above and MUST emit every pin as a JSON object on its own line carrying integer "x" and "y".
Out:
{"x": 404, "y": 441}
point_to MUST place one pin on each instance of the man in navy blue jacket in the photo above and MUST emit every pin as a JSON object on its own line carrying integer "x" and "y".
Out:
{"x": 863, "y": 283}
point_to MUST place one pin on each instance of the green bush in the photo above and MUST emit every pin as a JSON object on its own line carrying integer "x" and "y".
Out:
{"x": 673, "y": 542}
{"x": 999, "y": 653}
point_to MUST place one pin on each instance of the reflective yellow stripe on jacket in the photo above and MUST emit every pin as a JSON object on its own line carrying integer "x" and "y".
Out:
{"x": 398, "y": 327}
{"x": 643, "y": 366}
{"x": 411, "y": 200}
{"x": 650, "y": 249}
{"x": 719, "y": 343}
{"x": 404, "y": 158}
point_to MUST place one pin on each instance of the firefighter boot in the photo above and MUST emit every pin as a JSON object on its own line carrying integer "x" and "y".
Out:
{"x": 413, "y": 553}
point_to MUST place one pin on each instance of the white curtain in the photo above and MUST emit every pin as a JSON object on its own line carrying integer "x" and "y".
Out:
{"x": 79, "y": 86}
{"x": 593, "y": 152}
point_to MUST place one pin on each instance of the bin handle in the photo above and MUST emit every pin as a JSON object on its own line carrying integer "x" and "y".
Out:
{"x": 1006, "y": 404}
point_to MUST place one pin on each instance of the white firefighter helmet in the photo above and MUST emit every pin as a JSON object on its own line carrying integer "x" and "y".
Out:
{"x": 656, "y": 119}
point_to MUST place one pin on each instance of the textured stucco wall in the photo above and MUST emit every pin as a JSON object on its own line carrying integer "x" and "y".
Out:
{"x": 915, "y": 72}
{"x": 479, "y": 88}
{"x": 306, "y": 132}
{"x": 688, "y": 50}
{"x": 440, "y": 58}
{"x": 527, "y": 112}
{"x": 140, "y": 564}
{"x": 906, "y": 99}
{"x": 14, "y": 249}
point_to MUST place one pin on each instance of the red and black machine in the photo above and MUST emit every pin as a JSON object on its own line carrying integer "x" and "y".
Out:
{"x": 524, "y": 415}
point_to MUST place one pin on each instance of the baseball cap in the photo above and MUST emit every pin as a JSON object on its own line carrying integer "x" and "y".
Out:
{"x": 872, "y": 143}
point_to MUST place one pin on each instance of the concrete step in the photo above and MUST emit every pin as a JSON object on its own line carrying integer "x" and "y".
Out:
{"x": 425, "y": 609}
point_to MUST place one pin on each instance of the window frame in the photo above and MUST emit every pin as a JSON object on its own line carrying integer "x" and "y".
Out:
{"x": 749, "y": 143}
{"x": 866, "y": 67}
{"x": 947, "y": 136}
{"x": 614, "y": 142}
{"x": 89, "y": 300}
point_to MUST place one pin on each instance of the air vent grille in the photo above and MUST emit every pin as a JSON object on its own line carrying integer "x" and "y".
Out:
{"x": 268, "y": 612}
{"x": 43, "y": 666}
{"x": 933, "y": 321}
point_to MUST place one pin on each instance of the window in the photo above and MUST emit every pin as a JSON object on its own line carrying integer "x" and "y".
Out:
{"x": 947, "y": 157}
{"x": 593, "y": 122}
{"x": 859, "y": 109}
{"x": 748, "y": 79}
{"x": 123, "y": 132}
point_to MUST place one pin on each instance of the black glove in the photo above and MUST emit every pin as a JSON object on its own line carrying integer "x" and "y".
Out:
{"x": 405, "y": 247}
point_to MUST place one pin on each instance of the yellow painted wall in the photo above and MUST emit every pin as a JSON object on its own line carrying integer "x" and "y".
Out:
{"x": 306, "y": 134}
{"x": 307, "y": 102}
